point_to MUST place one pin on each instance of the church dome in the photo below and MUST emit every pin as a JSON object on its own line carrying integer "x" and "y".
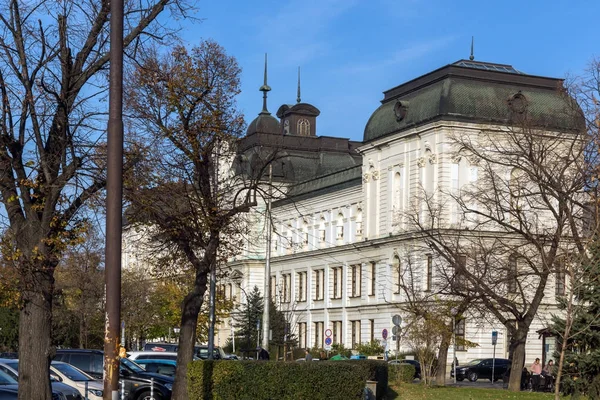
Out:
{"x": 473, "y": 91}
{"x": 264, "y": 123}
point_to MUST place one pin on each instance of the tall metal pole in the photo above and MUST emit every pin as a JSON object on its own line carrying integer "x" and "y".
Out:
{"x": 454, "y": 345}
{"x": 211, "y": 327}
{"x": 267, "y": 291}
{"x": 114, "y": 191}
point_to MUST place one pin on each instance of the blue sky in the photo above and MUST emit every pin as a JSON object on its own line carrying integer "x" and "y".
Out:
{"x": 350, "y": 51}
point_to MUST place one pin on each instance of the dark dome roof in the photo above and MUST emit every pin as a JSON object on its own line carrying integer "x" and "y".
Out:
{"x": 264, "y": 123}
{"x": 484, "y": 93}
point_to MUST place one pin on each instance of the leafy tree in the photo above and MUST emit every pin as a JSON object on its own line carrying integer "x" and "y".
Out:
{"x": 52, "y": 122}
{"x": 578, "y": 327}
{"x": 185, "y": 100}
{"x": 372, "y": 348}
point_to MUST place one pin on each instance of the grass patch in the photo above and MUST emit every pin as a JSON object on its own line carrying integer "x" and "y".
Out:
{"x": 420, "y": 392}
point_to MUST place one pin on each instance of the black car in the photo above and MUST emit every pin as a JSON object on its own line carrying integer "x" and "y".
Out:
{"x": 481, "y": 368}
{"x": 136, "y": 380}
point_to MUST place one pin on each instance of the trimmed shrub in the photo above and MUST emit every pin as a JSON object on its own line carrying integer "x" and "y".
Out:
{"x": 255, "y": 380}
{"x": 402, "y": 373}
{"x": 373, "y": 370}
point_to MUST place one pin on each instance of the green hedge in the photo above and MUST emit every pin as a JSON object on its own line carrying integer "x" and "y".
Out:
{"x": 258, "y": 380}
{"x": 402, "y": 373}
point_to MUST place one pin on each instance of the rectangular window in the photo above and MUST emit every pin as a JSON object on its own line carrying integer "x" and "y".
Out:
{"x": 397, "y": 274}
{"x": 372, "y": 323}
{"x": 560, "y": 278}
{"x": 461, "y": 265}
{"x": 373, "y": 278}
{"x": 336, "y": 327}
{"x": 302, "y": 334}
{"x": 287, "y": 286}
{"x": 460, "y": 335}
{"x": 301, "y": 277}
{"x": 356, "y": 280}
{"x": 512, "y": 274}
{"x": 273, "y": 283}
{"x": 319, "y": 276}
{"x": 337, "y": 282}
{"x": 429, "y": 272}
{"x": 355, "y": 325}
{"x": 318, "y": 334}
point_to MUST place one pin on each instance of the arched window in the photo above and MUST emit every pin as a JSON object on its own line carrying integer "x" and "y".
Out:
{"x": 340, "y": 227}
{"x": 303, "y": 127}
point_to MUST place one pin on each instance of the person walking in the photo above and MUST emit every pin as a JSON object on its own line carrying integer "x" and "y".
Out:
{"x": 536, "y": 372}
{"x": 308, "y": 356}
{"x": 548, "y": 374}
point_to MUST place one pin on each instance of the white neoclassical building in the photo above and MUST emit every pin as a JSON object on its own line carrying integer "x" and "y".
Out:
{"x": 341, "y": 233}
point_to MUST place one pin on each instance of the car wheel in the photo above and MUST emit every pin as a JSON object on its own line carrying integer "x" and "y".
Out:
{"x": 146, "y": 396}
{"x": 473, "y": 376}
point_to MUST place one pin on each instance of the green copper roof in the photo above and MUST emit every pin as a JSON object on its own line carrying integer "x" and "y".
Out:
{"x": 465, "y": 93}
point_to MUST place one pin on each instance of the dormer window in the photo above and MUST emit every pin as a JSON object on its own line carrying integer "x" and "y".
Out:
{"x": 304, "y": 127}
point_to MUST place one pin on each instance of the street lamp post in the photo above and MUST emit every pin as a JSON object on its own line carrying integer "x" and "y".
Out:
{"x": 454, "y": 312}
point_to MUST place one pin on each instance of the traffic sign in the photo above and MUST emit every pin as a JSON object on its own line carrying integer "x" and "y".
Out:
{"x": 328, "y": 332}
{"x": 327, "y": 347}
{"x": 494, "y": 337}
{"x": 384, "y": 334}
{"x": 396, "y": 330}
{"x": 328, "y": 341}
{"x": 397, "y": 320}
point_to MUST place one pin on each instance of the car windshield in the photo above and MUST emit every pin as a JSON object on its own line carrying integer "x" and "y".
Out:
{"x": 6, "y": 379}
{"x": 71, "y": 372}
{"x": 13, "y": 364}
{"x": 131, "y": 366}
{"x": 474, "y": 362}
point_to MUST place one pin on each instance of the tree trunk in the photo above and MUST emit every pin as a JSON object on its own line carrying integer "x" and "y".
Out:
{"x": 440, "y": 377}
{"x": 35, "y": 330}
{"x": 187, "y": 335}
{"x": 518, "y": 360}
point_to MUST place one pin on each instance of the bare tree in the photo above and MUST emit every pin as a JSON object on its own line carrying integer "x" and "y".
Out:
{"x": 512, "y": 224}
{"x": 192, "y": 200}
{"x": 52, "y": 122}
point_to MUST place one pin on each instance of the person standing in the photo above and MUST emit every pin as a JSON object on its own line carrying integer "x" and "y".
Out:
{"x": 547, "y": 373}
{"x": 308, "y": 356}
{"x": 536, "y": 372}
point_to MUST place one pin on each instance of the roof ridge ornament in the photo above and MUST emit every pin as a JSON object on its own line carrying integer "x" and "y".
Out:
{"x": 472, "y": 57}
{"x": 298, "y": 98}
{"x": 265, "y": 88}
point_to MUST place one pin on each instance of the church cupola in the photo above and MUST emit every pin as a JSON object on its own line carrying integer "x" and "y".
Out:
{"x": 299, "y": 119}
{"x": 265, "y": 122}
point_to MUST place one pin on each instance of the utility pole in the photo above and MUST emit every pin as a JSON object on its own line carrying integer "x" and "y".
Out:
{"x": 267, "y": 291}
{"x": 114, "y": 194}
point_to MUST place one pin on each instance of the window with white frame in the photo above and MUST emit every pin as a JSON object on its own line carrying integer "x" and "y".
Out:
{"x": 302, "y": 335}
{"x": 359, "y": 223}
{"x": 286, "y": 283}
{"x": 373, "y": 280}
{"x": 397, "y": 274}
{"x": 303, "y": 127}
{"x": 302, "y": 286}
{"x": 322, "y": 232}
{"x": 318, "y": 334}
{"x": 273, "y": 286}
{"x": 356, "y": 276}
{"x": 512, "y": 272}
{"x": 561, "y": 277}
{"x": 336, "y": 275}
{"x": 355, "y": 327}
{"x": 339, "y": 229}
{"x": 429, "y": 272}
{"x": 319, "y": 281}
{"x": 460, "y": 334}
{"x": 336, "y": 329}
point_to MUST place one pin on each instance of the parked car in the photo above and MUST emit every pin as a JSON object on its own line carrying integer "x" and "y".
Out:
{"x": 154, "y": 355}
{"x": 136, "y": 380}
{"x": 481, "y": 368}
{"x": 200, "y": 351}
{"x": 72, "y": 376}
{"x": 163, "y": 367}
{"x": 60, "y": 391}
{"x": 8, "y": 393}
{"x": 414, "y": 363}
